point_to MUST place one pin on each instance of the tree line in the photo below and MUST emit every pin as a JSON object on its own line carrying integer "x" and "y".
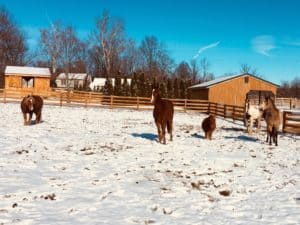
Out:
{"x": 107, "y": 52}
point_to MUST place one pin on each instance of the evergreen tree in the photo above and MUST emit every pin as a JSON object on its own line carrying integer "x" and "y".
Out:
{"x": 182, "y": 89}
{"x": 108, "y": 87}
{"x": 176, "y": 88}
{"x": 125, "y": 88}
{"x": 170, "y": 88}
{"x": 133, "y": 86}
{"x": 141, "y": 84}
{"x": 163, "y": 89}
{"x": 118, "y": 87}
{"x": 188, "y": 84}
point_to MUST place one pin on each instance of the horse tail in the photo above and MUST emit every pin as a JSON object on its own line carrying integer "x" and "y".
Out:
{"x": 168, "y": 126}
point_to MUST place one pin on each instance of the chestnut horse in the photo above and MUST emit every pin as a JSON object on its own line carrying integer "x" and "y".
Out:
{"x": 29, "y": 105}
{"x": 208, "y": 126}
{"x": 272, "y": 117}
{"x": 163, "y": 115}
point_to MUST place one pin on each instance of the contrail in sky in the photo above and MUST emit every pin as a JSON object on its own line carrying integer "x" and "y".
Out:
{"x": 204, "y": 48}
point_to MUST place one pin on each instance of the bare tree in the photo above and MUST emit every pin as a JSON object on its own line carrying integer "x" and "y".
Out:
{"x": 51, "y": 44}
{"x": 12, "y": 43}
{"x": 205, "y": 75}
{"x": 194, "y": 71}
{"x": 246, "y": 68}
{"x": 183, "y": 71}
{"x": 156, "y": 61}
{"x": 71, "y": 48}
{"x": 109, "y": 38}
{"x": 130, "y": 59}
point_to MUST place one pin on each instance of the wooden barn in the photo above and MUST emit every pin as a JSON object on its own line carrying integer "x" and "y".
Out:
{"x": 231, "y": 90}
{"x": 33, "y": 79}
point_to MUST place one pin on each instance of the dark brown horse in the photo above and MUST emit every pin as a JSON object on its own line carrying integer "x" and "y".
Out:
{"x": 272, "y": 117}
{"x": 29, "y": 105}
{"x": 208, "y": 126}
{"x": 163, "y": 113}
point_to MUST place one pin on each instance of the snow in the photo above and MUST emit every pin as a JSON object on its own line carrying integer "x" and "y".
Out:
{"x": 72, "y": 76}
{"x": 25, "y": 70}
{"x": 105, "y": 166}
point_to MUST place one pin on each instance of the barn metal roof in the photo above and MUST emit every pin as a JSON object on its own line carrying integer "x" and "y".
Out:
{"x": 28, "y": 71}
{"x": 211, "y": 83}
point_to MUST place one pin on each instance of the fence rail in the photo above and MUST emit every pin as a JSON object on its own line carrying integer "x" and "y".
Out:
{"x": 291, "y": 121}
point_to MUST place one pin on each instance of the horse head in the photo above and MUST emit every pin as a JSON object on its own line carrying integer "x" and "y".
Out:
{"x": 267, "y": 103}
{"x": 30, "y": 102}
{"x": 155, "y": 95}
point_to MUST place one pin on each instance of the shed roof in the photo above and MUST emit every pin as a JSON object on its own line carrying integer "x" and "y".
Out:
{"x": 72, "y": 76}
{"x": 29, "y": 71}
{"x": 219, "y": 80}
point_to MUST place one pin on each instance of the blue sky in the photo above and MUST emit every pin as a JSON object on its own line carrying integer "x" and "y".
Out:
{"x": 264, "y": 34}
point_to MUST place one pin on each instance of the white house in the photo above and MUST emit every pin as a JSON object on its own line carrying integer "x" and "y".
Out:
{"x": 76, "y": 80}
{"x": 99, "y": 82}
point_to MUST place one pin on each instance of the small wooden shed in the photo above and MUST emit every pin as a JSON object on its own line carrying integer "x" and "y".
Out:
{"x": 35, "y": 79}
{"x": 231, "y": 90}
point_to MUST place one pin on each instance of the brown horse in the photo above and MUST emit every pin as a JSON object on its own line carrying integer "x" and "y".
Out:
{"x": 208, "y": 126}
{"x": 272, "y": 117}
{"x": 29, "y": 105}
{"x": 163, "y": 115}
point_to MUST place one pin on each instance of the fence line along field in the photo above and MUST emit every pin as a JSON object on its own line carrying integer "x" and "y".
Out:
{"x": 290, "y": 119}
{"x": 98, "y": 165}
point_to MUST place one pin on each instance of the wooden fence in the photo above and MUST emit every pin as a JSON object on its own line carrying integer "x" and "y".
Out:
{"x": 291, "y": 120}
{"x": 94, "y": 99}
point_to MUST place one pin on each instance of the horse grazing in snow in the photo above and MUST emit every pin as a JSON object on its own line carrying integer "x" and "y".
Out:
{"x": 252, "y": 113}
{"x": 29, "y": 105}
{"x": 208, "y": 126}
{"x": 272, "y": 117}
{"x": 163, "y": 113}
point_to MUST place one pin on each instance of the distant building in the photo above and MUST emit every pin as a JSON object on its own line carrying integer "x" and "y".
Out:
{"x": 76, "y": 80}
{"x": 99, "y": 82}
{"x": 231, "y": 90}
{"x": 35, "y": 79}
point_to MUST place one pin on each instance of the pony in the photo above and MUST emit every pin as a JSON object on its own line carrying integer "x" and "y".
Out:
{"x": 163, "y": 113}
{"x": 252, "y": 113}
{"x": 272, "y": 117}
{"x": 208, "y": 126}
{"x": 29, "y": 105}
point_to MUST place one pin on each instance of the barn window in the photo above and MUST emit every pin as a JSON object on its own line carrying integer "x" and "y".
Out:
{"x": 246, "y": 80}
{"x": 27, "y": 82}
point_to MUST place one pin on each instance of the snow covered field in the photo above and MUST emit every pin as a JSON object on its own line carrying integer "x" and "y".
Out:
{"x": 102, "y": 166}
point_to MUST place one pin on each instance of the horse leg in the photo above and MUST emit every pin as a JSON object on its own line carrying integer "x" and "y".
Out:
{"x": 170, "y": 129}
{"x": 275, "y": 136}
{"x": 163, "y": 127}
{"x": 38, "y": 117}
{"x": 250, "y": 125}
{"x": 25, "y": 118}
{"x": 209, "y": 133}
{"x": 270, "y": 132}
{"x": 158, "y": 125}
{"x": 258, "y": 125}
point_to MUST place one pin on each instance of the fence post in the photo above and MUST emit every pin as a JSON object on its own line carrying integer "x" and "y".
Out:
{"x": 86, "y": 100}
{"x": 4, "y": 96}
{"x": 184, "y": 105}
{"x": 138, "y": 102}
{"x": 284, "y": 121}
{"x": 208, "y": 111}
{"x": 233, "y": 113}
{"x": 225, "y": 111}
{"x": 111, "y": 101}
{"x": 61, "y": 100}
{"x": 291, "y": 103}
